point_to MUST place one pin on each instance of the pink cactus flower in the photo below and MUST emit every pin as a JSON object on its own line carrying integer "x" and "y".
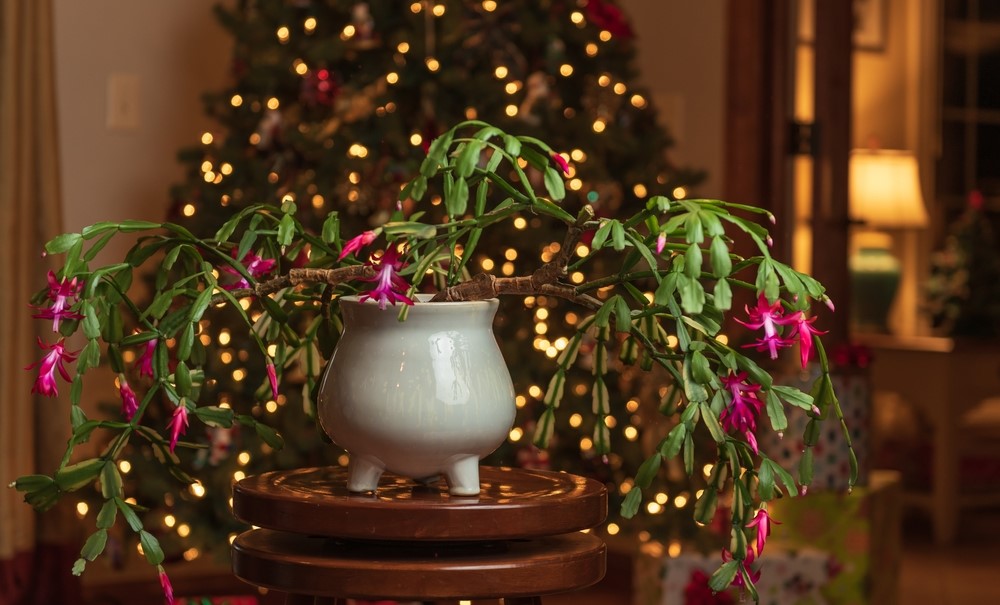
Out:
{"x": 47, "y": 366}
{"x": 390, "y": 286}
{"x": 804, "y": 332}
{"x": 767, "y": 316}
{"x": 762, "y": 521}
{"x": 62, "y": 294}
{"x": 744, "y": 564}
{"x": 743, "y": 409}
{"x": 256, "y": 266}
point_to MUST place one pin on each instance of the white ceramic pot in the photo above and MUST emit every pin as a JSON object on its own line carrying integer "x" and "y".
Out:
{"x": 421, "y": 398}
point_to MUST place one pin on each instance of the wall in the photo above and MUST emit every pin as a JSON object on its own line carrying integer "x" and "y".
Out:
{"x": 886, "y": 84}
{"x": 681, "y": 59}
{"x": 177, "y": 51}
{"x": 895, "y": 97}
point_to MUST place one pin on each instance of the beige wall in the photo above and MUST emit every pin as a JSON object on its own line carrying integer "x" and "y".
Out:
{"x": 681, "y": 59}
{"x": 177, "y": 52}
{"x": 886, "y": 84}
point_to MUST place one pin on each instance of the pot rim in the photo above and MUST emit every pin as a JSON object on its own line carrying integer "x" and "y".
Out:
{"x": 422, "y": 300}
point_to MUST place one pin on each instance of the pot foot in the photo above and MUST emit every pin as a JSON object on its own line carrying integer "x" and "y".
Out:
{"x": 363, "y": 473}
{"x": 463, "y": 477}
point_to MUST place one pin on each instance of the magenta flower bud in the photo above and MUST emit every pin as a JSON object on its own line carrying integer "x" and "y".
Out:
{"x": 561, "y": 162}
{"x": 168, "y": 589}
{"x": 272, "y": 376}
{"x": 130, "y": 405}
{"x": 145, "y": 361}
{"x": 178, "y": 425}
{"x": 356, "y": 243}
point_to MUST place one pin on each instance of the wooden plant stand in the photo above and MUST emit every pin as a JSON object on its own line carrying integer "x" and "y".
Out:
{"x": 521, "y": 538}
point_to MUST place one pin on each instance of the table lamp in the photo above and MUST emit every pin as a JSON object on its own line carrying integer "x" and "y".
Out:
{"x": 884, "y": 191}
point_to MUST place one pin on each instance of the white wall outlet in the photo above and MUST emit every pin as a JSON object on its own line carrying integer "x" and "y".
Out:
{"x": 123, "y": 102}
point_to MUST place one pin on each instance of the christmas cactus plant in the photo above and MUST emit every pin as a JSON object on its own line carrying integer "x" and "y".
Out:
{"x": 652, "y": 289}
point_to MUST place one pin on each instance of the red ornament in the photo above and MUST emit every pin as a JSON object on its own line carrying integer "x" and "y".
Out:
{"x": 607, "y": 16}
{"x": 320, "y": 88}
{"x": 976, "y": 199}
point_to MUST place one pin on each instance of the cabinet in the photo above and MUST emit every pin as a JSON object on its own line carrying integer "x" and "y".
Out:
{"x": 942, "y": 378}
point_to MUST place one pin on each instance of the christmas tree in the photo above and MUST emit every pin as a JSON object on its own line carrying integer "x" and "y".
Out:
{"x": 963, "y": 291}
{"x": 332, "y": 106}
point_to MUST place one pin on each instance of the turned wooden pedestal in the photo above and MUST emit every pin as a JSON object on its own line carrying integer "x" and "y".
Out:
{"x": 518, "y": 540}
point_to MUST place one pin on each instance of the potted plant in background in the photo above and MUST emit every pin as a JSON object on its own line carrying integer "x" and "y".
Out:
{"x": 663, "y": 303}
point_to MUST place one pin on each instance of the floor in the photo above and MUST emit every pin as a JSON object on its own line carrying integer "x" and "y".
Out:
{"x": 965, "y": 573}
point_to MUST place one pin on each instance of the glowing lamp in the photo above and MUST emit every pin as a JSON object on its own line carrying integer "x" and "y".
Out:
{"x": 884, "y": 189}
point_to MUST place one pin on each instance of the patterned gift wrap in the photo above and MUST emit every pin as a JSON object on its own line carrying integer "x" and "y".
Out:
{"x": 789, "y": 577}
{"x": 830, "y": 548}
{"x": 831, "y": 461}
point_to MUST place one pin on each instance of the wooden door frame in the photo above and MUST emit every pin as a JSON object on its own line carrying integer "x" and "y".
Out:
{"x": 759, "y": 47}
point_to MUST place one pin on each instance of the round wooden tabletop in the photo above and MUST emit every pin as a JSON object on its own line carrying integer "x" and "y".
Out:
{"x": 325, "y": 567}
{"x": 513, "y": 503}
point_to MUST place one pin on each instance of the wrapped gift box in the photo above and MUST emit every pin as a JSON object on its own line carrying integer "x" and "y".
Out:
{"x": 790, "y": 577}
{"x": 831, "y": 461}
{"x": 831, "y": 548}
{"x": 861, "y": 530}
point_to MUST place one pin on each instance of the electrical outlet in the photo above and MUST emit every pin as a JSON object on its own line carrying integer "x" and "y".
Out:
{"x": 123, "y": 101}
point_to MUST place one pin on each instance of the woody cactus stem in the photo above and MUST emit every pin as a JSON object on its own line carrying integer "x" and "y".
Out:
{"x": 545, "y": 279}
{"x": 300, "y": 277}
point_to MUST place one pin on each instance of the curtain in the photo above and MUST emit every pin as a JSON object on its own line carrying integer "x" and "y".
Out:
{"x": 34, "y": 565}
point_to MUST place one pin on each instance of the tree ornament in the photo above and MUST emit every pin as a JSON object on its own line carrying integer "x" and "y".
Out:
{"x": 269, "y": 129}
{"x": 320, "y": 88}
{"x": 608, "y": 17}
{"x": 364, "y": 24}
{"x": 537, "y": 90}
{"x": 365, "y": 36}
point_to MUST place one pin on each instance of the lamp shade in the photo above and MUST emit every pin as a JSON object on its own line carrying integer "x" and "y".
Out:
{"x": 885, "y": 189}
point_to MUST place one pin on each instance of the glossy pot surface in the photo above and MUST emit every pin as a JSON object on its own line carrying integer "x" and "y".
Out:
{"x": 425, "y": 397}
